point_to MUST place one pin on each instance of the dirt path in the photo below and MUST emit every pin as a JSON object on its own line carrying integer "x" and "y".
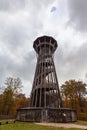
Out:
{"x": 65, "y": 125}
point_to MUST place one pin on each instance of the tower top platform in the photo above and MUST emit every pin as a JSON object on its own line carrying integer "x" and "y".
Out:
{"x": 45, "y": 42}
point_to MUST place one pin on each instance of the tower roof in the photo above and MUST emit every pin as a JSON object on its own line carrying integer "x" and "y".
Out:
{"x": 48, "y": 40}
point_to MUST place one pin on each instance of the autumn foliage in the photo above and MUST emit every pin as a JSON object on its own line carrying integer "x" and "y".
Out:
{"x": 74, "y": 95}
{"x": 11, "y": 99}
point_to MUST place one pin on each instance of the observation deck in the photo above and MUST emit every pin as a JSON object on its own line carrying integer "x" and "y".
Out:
{"x": 45, "y": 43}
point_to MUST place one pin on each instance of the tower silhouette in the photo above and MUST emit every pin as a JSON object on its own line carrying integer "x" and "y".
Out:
{"x": 45, "y": 101}
{"x": 45, "y": 90}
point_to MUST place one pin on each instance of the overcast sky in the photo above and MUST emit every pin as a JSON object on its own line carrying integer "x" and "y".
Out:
{"x": 22, "y": 21}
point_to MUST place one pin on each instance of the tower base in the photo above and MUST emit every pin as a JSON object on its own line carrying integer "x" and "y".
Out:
{"x": 46, "y": 115}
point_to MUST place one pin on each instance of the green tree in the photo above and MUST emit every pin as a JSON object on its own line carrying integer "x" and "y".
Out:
{"x": 12, "y": 88}
{"x": 8, "y": 101}
{"x": 22, "y": 101}
{"x": 74, "y": 93}
{"x": 1, "y": 104}
{"x": 14, "y": 83}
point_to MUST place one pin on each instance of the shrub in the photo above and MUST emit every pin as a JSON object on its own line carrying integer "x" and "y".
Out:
{"x": 82, "y": 116}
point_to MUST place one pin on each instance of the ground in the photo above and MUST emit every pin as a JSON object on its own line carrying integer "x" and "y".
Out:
{"x": 64, "y": 125}
{"x": 80, "y": 125}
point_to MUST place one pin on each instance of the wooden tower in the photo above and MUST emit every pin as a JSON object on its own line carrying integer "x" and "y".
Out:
{"x": 46, "y": 103}
{"x": 45, "y": 91}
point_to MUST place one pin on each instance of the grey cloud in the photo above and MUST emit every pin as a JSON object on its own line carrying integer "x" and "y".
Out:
{"x": 18, "y": 30}
{"x": 27, "y": 68}
{"x": 11, "y": 5}
{"x": 73, "y": 65}
{"x": 5, "y": 64}
{"x": 20, "y": 23}
{"x": 24, "y": 70}
{"x": 15, "y": 37}
{"x": 41, "y": 4}
{"x": 78, "y": 14}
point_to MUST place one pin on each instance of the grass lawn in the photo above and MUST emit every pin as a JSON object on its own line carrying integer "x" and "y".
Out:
{"x": 29, "y": 126}
{"x": 81, "y": 123}
{"x": 26, "y": 126}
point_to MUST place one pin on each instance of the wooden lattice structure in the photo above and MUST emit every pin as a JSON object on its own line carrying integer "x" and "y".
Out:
{"x": 45, "y": 91}
{"x": 46, "y": 102}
